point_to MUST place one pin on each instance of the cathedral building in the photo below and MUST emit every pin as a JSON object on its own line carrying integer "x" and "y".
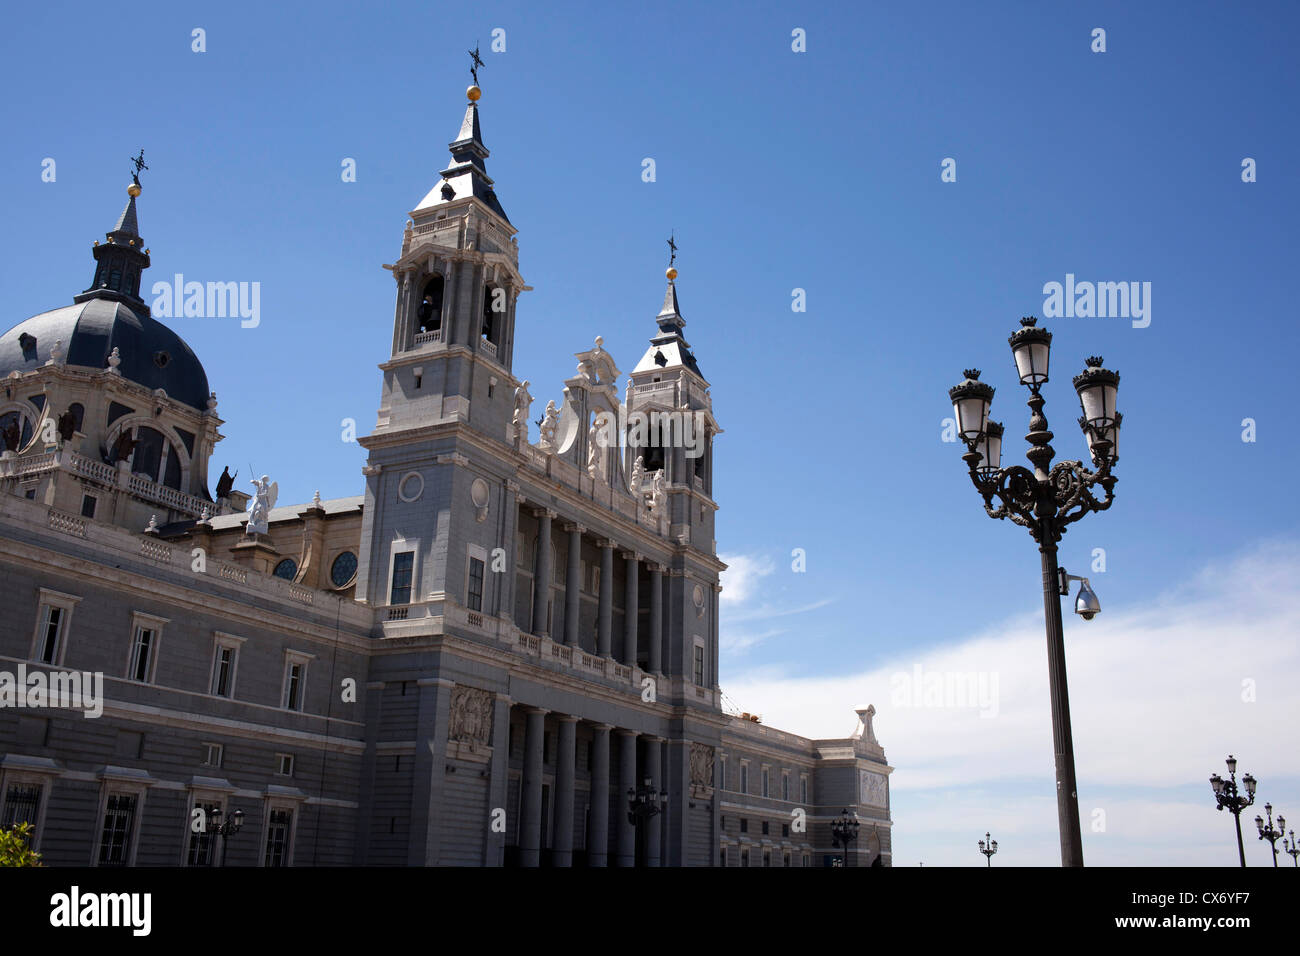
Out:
{"x": 503, "y": 650}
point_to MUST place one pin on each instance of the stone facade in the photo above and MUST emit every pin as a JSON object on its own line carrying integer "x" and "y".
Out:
{"x": 471, "y": 663}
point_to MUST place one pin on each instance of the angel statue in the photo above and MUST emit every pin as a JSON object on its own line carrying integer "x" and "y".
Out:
{"x": 638, "y": 475}
{"x": 656, "y": 490}
{"x": 594, "y": 446}
{"x": 522, "y": 401}
{"x": 259, "y": 507}
{"x": 549, "y": 423}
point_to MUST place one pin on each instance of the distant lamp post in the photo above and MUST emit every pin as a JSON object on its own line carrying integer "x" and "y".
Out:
{"x": 988, "y": 849}
{"x": 224, "y": 828}
{"x": 1292, "y": 850}
{"x": 844, "y": 830}
{"x": 643, "y": 803}
{"x": 1046, "y": 500}
{"x": 1227, "y": 795}
{"x": 1270, "y": 832}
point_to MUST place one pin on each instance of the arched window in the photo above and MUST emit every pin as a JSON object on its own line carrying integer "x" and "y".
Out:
{"x": 428, "y": 315}
{"x": 78, "y": 414}
{"x": 493, "y": 305}
{"x": 115, "y": 279}
{"x": 287, "y": 569}
{"x": 156, "y": 458}
{"x": 15, "y": 431}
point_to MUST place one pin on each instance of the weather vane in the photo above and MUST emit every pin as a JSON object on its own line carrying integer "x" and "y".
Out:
{"x": 138, "y": 162}
{"x": 475, "y": 64}
{"x": 672, "y": 246}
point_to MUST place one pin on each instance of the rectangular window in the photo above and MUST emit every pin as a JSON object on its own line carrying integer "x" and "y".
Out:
{"x": 22, "y": 803}
{"x": 764, "y": 828}
{"x": 212, "y": 754}
{"x": 115, "y": 835}
{"x": 88, "y": 503}
{"x": 765, "y": 776}
{"x": 474, "y": 599}
{"x": 294, "y": 675}
{"x": 202, "y": 842}
{"x": 785, "y": 786}
{"x": 807, "y": 860}
{"x": 277, "y": 838}
{"x": 723, "y": 857}
{"x": 699, "y": 665}
{"x": 744, "y": 825}
{"x": 744, "y": 778}
{"x": 767, "y": 857}
{"x": 225, "y": 662}
{"x": 403, "y": 562}
{"x": 142, "y": 648}
{"x": 284, "y": 764}
{"x": 744, "y": 857}
{"x": 785, "y": 830}
{"x": 785, "y": 859}
{"x": 803, "y": 789}
{"x": 51, "y": 633}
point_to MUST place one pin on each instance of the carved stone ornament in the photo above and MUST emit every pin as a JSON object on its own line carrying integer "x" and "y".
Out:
{"x": 701, "y": 766}
{"x": 471, "y": 716}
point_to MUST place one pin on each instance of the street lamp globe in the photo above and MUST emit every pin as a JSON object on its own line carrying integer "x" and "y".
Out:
{"x": 970, "y": 405}
{"x": 1249, "y": 781}
{"x": 1031, "y": 347}
{"x": 989, "y": 448}
{"x": 1097, "y": 388}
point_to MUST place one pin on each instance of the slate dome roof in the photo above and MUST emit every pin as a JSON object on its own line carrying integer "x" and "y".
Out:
{"x": 152, "y": 354}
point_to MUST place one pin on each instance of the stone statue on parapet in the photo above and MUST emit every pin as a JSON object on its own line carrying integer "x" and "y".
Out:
{"x": 522, "y": 401}
{"x": 259, "y": 507}
{"x": 548, "y": 426}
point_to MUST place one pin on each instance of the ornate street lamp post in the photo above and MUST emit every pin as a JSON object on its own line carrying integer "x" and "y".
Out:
{"x": 1046, "y": 500}
{"x": 643, "y": 803}
{"x": 1227, "y": 795}
{"x": 844, "y": 830}
{"x": 988, "y": 849}
{"x": 1293, "y": 851}
{"x": 1270, "y": 832}
{"x": 215, "y": 826}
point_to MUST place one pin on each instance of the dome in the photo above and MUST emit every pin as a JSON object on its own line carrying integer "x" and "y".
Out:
{"x": 152, "y": 354}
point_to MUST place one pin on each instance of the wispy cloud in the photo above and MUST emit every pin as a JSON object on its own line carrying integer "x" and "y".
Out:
{"x": 747, "y": 598}
{"x": 1159, "y": 695}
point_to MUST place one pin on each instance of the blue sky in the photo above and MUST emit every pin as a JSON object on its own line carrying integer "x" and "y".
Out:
{"x": 778, "y": 171}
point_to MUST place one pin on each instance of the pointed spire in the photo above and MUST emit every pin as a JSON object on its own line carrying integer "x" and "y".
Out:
{"x": 467, "y": 175}
{"x": 669, "y": 347}
{"x": 120, "y": 261}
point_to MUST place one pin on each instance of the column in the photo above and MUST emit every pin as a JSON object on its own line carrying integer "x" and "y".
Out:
{"x": 428, "y": 773}
{"x": 566, "y": 751}
{"x": 542, "y": 580}
{"x": 631, "y": 611}
{"x": 654, "y": 825}
{"x": 530, "y": 813}
{"x": 598, "y": 822}
{"x": 626, "y": 782}
{"x": 573, "y": 585}
{"x": 498, "y": 797}
{"x": 656, "y": 618}
{"x": 505, "y": 589}
{"x": 604, "y": 641}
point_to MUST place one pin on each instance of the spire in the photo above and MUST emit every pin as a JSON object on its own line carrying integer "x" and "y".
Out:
{"x": 466, "y": 176}
{"x": 669, "y": 347}
{"x": 122, "y": 258}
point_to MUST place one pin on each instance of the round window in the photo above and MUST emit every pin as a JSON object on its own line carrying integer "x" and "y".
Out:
{"x": 344, "y": 569}
{"x": 287, "y": 569}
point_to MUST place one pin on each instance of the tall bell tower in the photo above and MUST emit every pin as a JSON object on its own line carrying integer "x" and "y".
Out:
{"x": 449, "y": 373}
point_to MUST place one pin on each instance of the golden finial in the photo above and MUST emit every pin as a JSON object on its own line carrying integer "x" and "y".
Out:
{"x": 473, "y": 93}
{"x": 133, "y": 190}
{"x": 671, "y": 273}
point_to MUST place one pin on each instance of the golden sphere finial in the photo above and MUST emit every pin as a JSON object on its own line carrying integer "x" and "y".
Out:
{"x": 671, "y": 273}
{"x": 133, "y": 190}
{"x": 473, "y": 93}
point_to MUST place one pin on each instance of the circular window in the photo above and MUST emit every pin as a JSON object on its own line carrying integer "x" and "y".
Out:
{"x": 344, "y": 569}
{"x": 411, "y": 486}
{"x": 287, "y": 569}
{"x": 698, "y": 596}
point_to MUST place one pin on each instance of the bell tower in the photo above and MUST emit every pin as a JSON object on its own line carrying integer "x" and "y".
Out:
{"x": 457, "y": 283}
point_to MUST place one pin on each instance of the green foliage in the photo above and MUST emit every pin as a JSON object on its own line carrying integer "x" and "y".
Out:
{"x": 15, "y": 847}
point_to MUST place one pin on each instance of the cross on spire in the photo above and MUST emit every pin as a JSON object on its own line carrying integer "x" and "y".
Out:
{"x": 672, "y": 246}
{"x": 475, "y": 63}
{"x": 138, "y": 162}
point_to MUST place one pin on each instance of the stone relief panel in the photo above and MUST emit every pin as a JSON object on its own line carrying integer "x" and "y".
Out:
{"x": 701, "y": 766}
{"x": 874, "y": 790}
{"x": 471, "y": 717}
